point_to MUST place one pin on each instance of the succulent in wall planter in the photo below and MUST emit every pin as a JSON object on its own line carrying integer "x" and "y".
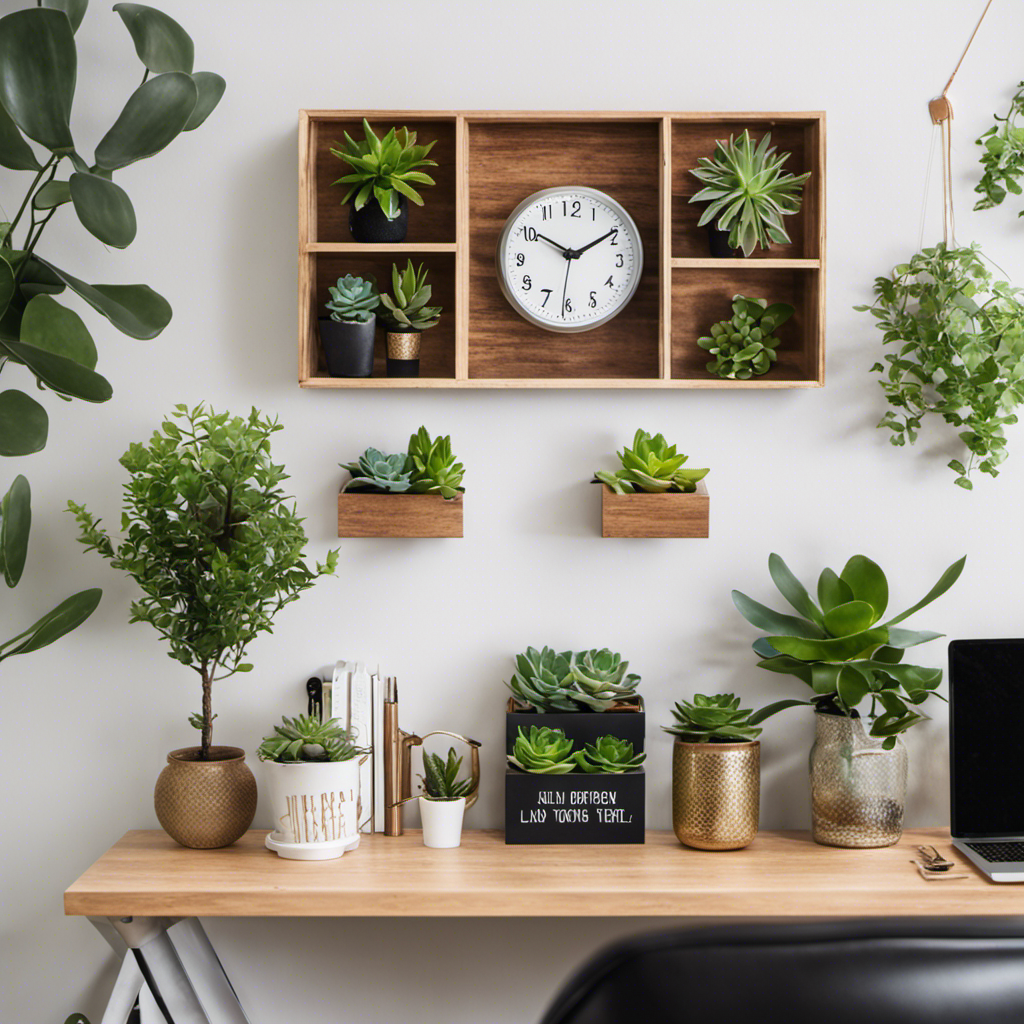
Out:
{"x": 745, "y": 345}
{"x": 348, "y": 334}
{"x": 381, "y": 182}
{"x": 312, "y": 773}
{"x": 216, "y": 547}
{"x": 444, "y": 800}
{"x": 406, "y": 314}
{"x": 747, "y": 193}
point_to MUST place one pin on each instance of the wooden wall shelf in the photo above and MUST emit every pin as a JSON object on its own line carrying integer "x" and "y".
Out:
{"x": 655, "y": 515}
{"x": 398, "y": 515}
{"x": 488, "y": 162}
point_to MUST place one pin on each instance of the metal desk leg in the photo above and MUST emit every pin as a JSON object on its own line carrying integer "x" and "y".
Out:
{"x": 125, "y": 993}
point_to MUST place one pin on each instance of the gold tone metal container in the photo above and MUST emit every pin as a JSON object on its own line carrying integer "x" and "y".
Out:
{"x": 716, "y": 794}
{"x": 403, "y": 345}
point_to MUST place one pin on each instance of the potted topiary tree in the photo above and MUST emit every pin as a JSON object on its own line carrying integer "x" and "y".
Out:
{"x": 216, "y": 547}
{"x": 406, "y": 315}
{"x": 348, "y": 334}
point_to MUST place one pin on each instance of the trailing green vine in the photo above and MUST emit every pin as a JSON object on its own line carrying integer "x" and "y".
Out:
{"x": 1003, "y": 159}
{"x": 958, "y": 352}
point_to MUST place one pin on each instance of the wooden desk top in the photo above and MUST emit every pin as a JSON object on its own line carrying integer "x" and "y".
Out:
{"x": 782, "y": 874}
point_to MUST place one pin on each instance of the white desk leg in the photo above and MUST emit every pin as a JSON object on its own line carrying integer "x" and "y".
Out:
{"x": 125, "y": 992}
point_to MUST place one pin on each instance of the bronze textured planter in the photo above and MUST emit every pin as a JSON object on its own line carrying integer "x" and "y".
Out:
{"x": 716, "y": 794}
{"x": 205, "y": 804}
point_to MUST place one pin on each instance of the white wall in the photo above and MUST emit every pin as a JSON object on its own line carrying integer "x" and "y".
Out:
{"x": 84, "y": 725}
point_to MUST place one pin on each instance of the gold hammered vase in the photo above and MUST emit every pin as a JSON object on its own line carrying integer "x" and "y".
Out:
{"x": 403, "y": 345}
{"x": 716, "y": 794}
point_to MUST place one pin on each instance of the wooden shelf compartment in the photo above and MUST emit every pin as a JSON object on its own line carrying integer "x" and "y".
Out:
{"x": 398, "y": 515}
{"x": 655, "y": 515}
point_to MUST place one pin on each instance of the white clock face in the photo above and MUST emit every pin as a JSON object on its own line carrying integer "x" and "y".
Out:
{"x": 569, "y": 259}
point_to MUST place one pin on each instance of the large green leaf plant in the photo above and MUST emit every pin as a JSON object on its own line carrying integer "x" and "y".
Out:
{"x": 38, "y": 74}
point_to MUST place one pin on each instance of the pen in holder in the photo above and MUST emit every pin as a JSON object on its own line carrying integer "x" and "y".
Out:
{"x": 398, "y": 746}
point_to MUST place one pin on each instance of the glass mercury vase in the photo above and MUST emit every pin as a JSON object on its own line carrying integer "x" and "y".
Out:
{"x": 858, "y": 790}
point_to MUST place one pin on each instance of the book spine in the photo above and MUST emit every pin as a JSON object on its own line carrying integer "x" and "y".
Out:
{"x": 361, "y": 724}
{"x": 378, "y": 746}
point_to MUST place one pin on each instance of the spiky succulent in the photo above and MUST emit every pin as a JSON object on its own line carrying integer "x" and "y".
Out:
{"x": 441, "y": 778}
{"x": 745, "y": 344}
{"x": 379, "y": 472}
{"x": 383, "y": 168}
{"x": 651, "y": 465}
{"x": 305, "y": 738}
{"x": 406, "y": 308}
{"x": 586, "y": 681}
{"x": 609, "y": 754}
{"x": 720, "y": 719}
{"x": 543, "y": 751}
{"x": 840, "y": 649}
{"x": 434, "y": 469}
{"x": 747, "y": 191}
{"x": 353, "y": 299}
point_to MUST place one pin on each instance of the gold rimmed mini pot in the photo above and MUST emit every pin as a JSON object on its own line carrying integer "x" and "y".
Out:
{"x": 403, "y": 353}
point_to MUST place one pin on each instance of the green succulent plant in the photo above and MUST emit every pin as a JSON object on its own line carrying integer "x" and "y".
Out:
{"x": 434, "y": 469}
{"x": 745, "y": 344}
{"x": 586, "y": 681}
{"x": 543, "y": 751}
{"x": 720, "y": 719}
{"x": 353, "y": 299}
{"x": 441, "y": 777}
{"x": 305, "y": 738}
{"x": 747, "y": 191}
{"x": 839, "y": 647}
{"x": 651, "y": 465}
{"x": 609, "y": 755}
{"x": 384, "y": 168}
{"x": 1003, "y": 159}
{"x": 376, "y": 471}
{"x": 406, "y": 308}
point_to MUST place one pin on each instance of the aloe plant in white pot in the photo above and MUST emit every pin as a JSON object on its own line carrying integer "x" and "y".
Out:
{"x": 444, "y": 800}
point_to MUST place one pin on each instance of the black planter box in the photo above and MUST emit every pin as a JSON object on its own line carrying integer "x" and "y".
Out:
{"x": 572, "y": 809}
{"x": 581, "y": 727}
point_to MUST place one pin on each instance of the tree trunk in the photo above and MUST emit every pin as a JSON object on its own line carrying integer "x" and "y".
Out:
{"x": 207, "y": 736}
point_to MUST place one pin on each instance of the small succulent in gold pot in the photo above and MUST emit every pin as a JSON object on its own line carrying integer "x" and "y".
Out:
{"x": 716, "y": 770}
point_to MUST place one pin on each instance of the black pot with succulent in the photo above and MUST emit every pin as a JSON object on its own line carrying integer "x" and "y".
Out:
{"x": 347, "y": 335}
{"x": 406, "y": 316}
{"x": 381, "y": 182}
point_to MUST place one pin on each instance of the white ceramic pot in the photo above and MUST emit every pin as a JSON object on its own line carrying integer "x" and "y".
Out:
{"x": 316, "y": 808}
{"x": 442, "y": 822}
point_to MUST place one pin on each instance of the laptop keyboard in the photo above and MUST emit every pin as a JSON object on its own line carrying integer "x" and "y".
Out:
{"x": 998, "y": 853}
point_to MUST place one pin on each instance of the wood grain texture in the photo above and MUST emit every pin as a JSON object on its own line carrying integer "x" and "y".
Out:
{"x": 655, "y": 515}
{"x": 399, "y": 515}
{"x": 462, "y": 259}
{"x": 570, "y": 383}
{"x": 665, "y": 252}
{"x": 781, "y": 874}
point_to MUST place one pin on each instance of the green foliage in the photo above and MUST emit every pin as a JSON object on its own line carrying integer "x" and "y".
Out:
{"x": 375, "y": 471}
{"x": 1003, "y": 158}
{"x": 748, "y": 192}
{"x": 840, "y": 648}
{"x": 353, "y": 299}
{"x": 720, "y": 719}
{"x": 543, "y": 751}
{"x": 406, "y": 309}
{"x": 609, "y": 755}
{"x": 441, "y": 778}
{"x": 745, "y": 344}
{"x": 433, "y": 466}
{"x": 958, "y": 341}
{"x": 384, "y": 167}
{"x": 210, "y": 538}
{"x": 651, "y": 465}
{"x": 585, "y": 681}
{"x": 38, "y": 74}
{"x": 305, "y": 738}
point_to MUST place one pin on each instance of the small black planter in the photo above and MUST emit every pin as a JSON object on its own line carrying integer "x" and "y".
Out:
{"x": 718, "y": 243}
{"x": 348, "y": 346}
{"x": 581, "y": 727}
{"x": 370, "y": 225}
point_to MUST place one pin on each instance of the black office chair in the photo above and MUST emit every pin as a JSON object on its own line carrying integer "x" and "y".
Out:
{"x": 896, "y": 971}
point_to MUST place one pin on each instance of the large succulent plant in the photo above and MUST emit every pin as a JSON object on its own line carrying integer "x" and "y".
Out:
{"x": 384, "y": 168}
{"x": 543, "y": 751}
{"x": 720, "y": 719}
{"x": 376, "y": 471}
{"x": 745, "y": 344}
{"x": 651, "y": 465}
{"x": 585, "y": 681}
{"x": 406, "y": 308}
{"x": 747, "y": 191}
{"x": 609, "y": 755}
{"x": 353, "y": 299}
{"x": 839, "y": 647}
{"x": 441, "y": 777}
{"x": 305, "y": 738}
{"x": 433, "y": 466}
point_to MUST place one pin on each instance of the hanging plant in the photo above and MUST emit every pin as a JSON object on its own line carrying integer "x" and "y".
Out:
{"x": 1003, "y": 159}
{"x": 957, "y": 351}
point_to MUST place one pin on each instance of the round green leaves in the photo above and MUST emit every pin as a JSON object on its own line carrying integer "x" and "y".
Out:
{"x": 104, "y": 209}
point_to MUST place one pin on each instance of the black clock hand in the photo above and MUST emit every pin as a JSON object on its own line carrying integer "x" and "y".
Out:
{"x": 565, "y": 251}
{"x": 590, "y": 245}
{"x": 568, "y": 266}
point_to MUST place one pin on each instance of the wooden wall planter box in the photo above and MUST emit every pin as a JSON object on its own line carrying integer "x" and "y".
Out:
{"x": 488, "y": 162}
{"x": 627, "y": 722}
{"x": 574, "y": 808}
{"x": 655, "y": 515}
{"x": 398, "y": 515}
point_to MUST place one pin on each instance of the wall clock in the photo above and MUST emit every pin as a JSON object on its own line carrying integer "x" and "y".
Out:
{"x": 569, "y": 258}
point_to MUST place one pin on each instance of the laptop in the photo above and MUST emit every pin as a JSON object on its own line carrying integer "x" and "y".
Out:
{"x": 986, "y": 755}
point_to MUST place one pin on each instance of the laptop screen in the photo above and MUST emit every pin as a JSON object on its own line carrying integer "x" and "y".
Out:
{"x": 986, "y": 754}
